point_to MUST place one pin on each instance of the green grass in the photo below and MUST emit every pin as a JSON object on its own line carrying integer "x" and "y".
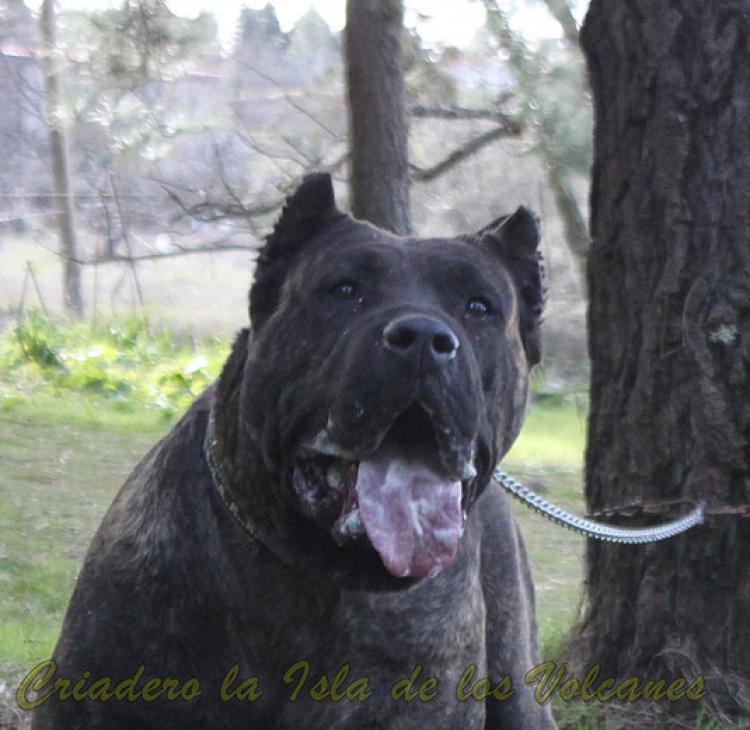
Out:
{"x": 62, "y": 459}
{"x": 553, "y": 437}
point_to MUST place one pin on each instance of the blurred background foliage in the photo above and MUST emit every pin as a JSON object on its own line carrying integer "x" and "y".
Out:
{"x": 126, "y": 363}
{"x": 184, "y": 141}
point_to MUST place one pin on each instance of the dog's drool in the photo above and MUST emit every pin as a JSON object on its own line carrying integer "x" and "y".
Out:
{"x": 416, "y": 536}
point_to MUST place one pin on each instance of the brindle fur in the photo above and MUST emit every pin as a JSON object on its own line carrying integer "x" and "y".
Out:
{"x": 174, "y": 583}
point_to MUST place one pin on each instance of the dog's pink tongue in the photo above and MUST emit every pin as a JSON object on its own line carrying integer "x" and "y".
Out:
{"x": 411, "y": 513}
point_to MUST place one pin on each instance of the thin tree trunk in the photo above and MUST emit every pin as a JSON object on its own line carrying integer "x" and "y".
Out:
{"x": 669, "y": 335}
{"x": 60, "y": 166}
{"x": 377, "y": 114}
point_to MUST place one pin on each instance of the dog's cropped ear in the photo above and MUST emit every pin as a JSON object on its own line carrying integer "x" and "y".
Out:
{"x": 306, "y": 212}
{"x": 516, "y": 239}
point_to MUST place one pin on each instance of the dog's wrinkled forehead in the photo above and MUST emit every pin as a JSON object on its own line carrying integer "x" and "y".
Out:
{"x": 359, "y": 248}
{"x": 312, "y": 233}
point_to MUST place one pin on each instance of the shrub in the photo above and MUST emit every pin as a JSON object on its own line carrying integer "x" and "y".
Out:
{"x": 127, "y": 361}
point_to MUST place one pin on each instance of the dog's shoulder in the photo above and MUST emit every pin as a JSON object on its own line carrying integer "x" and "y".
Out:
{"x": 171, "y": 475}
{"x": 145, "y": 551}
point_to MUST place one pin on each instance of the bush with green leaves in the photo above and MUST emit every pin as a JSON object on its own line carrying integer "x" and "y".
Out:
{"x": 128, "y": 361}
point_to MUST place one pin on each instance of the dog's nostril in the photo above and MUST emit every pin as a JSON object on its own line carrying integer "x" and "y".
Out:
{"x": 400, "y": 336}
{"x": 445, "y": 344}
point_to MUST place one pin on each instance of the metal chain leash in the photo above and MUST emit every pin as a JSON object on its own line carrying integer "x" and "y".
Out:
{"x": 582, "y": 525}
{"x": 597, "y": 530}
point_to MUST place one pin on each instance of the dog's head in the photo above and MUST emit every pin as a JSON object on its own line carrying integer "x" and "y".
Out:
{"x": 382, "y": 380}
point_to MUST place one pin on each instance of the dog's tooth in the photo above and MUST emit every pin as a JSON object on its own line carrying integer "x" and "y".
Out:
{"x": 352, "y": 525}
{"x": 348, "y": 527}
{"x": 335, "y": 475}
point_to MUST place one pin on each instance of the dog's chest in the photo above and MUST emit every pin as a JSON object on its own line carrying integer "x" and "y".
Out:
{"x": 392, "y": 658}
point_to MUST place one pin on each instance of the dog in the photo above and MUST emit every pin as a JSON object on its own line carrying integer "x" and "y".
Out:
{"x": 318, "y": 543}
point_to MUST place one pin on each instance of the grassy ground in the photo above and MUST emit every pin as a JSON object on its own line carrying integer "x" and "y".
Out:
{"x": 61, "y": 460}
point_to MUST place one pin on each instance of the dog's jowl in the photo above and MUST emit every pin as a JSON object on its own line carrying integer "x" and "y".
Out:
{"x": 318, "y": 543}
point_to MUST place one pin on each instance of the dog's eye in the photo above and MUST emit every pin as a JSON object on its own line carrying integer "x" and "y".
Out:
{"x": 478, "y": 307}
{"x": 345, "y": 289}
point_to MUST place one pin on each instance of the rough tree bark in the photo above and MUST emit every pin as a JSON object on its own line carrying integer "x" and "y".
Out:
{"x": 669, "y": 336}
{"x": 378, "y": 133}
{"x": 60, "y": 166}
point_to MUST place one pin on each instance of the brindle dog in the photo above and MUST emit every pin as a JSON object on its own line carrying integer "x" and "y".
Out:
{"x": 322, "y": 523}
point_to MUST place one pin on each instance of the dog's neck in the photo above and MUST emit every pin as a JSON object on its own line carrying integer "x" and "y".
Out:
{"x": 238, "y": 476}
{"x": 220, "y": 482}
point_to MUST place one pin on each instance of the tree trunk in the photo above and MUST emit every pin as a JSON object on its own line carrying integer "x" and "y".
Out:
{"x": 60, "y": 167}
{"x": 377, "y": 116}
{"x": 669, "y": 336}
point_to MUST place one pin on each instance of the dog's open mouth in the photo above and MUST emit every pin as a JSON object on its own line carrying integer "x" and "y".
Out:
{"x": 400, "y": 497}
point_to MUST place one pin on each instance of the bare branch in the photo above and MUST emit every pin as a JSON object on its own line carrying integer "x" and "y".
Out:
{"x": 309, "y": 161}
{"x": 560, "y": 10}
{"x": 126, "y": 237}
{"x": 576, "y": 231}
{"x": 208, "y": 211}
{"x": 462, "y": 153}
{"x": 512, "y": 43}
{"x": 288, "y": 98}
{"x": 275, "y": 158}
{"x": 457, "y": 112}
{"x": 231, "y": 192}
{"x": 213, "y": 248}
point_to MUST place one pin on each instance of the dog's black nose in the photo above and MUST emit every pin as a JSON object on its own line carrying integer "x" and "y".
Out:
{"x": 415, "y": 334}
